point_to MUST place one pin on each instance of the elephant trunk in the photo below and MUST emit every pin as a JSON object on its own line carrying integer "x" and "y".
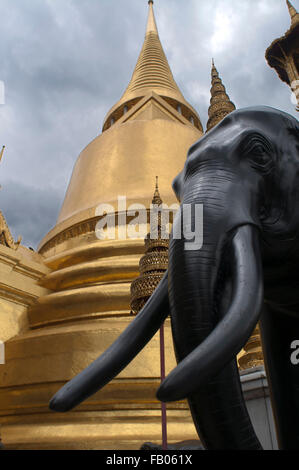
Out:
{"x": 212, "y": 319}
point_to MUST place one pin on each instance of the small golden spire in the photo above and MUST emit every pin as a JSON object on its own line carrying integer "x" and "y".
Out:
{"x": 1, "y": 153}
{"x": 157, "y": 198}
{"x": 293, "y": 13}
{"x": 153, "y": 263}
{"x": 220, "y": 104}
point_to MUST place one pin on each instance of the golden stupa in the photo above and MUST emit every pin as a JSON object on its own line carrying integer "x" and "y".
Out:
{"x": 75, "y": 297}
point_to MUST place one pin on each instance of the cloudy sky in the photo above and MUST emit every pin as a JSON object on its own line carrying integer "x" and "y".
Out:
{"x": 66, "y": 62}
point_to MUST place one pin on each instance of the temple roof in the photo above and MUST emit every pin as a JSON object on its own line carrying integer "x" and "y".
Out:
{"x": 285, "y": 46}
{"x": 6, "y": 238}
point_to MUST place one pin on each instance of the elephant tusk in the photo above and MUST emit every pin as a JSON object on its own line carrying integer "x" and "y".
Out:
{"x": 232, "y": 331}
{"x": 118, "y": 355}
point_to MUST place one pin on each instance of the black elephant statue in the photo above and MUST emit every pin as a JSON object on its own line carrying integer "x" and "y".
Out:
{"x": 245, "y": 174}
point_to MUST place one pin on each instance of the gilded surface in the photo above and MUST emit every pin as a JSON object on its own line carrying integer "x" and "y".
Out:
{"x": 253, "y": 353}
{"x": 19, "y": 273}
{"x": 157, "y": 142}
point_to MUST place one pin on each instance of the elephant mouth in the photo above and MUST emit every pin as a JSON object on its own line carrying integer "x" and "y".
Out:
{"x": 237, "y": 303}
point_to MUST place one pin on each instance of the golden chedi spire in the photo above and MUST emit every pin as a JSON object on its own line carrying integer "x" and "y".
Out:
{"x": 220, "y": 104}
{"x": 152, "y": 70}
{"x": 157, "y": 198}
{"x": 151, "y": 21}
{"x": 293, "y": 13}
{"x": 152, "y": 73}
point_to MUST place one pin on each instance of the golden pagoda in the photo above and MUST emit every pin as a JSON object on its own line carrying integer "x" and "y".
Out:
{"x": 283, "y": 54}
{"x": 220, "y": 104}
{"x": 73, "y": 296}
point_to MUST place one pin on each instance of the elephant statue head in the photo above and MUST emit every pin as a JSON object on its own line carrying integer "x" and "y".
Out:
{"x": 244, "y": 174}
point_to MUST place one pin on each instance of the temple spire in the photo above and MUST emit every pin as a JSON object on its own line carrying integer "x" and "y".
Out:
{"x": 152, "y": 74}
{"x": 152, "y": 71}
{"x": 151, "y": 21}
{"x": 220, "y": 104}
{"x": 154, "y": 262}
{"x": 293, "y": 13}
{"x": 157, "y": 198}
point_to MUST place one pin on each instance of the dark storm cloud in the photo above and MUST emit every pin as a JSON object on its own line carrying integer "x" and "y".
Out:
{"x": 29, "y": 211}
{"x": 66, "y": 62}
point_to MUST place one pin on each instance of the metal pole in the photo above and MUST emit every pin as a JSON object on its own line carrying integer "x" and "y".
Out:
{"x": 163, "y": 405}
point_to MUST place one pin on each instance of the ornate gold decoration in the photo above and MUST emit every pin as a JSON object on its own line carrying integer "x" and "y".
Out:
{"x": 220, "y": 104}
{"x": 153, "y": 263}
{"x": 87, "y": 226}
{"x": 283, "y": 54}
{"x": 5, "y": 235}
{"x": 253, "y": 353}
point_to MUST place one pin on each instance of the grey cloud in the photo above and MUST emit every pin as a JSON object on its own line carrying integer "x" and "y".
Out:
{"x": 29, "y": 212}
{"x": 66, "y": 62}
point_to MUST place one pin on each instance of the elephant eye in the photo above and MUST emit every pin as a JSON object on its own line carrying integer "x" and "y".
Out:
{"x": 259, "y": 152}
